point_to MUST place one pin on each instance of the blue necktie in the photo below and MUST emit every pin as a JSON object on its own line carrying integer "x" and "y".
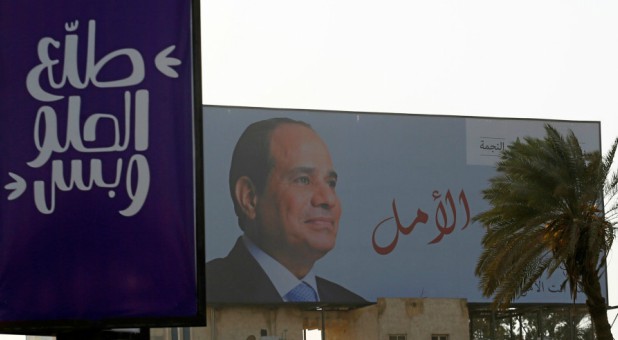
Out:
{"x": 301, "y": 293}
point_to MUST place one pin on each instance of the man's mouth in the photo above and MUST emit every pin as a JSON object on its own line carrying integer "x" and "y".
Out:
{"x": 321, "y": 222}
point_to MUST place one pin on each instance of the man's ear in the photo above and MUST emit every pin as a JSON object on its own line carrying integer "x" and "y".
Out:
{"x": 246, "y": 196}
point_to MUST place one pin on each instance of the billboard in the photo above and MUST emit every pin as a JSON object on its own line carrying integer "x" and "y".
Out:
{"x": 407, "y": 187}
{"x": 99, "y": 220}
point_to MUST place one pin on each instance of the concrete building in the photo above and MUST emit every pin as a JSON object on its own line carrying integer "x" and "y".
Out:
{"x": 388, "y": 319}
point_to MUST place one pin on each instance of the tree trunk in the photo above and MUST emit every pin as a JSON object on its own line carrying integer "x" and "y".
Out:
{"x": 597, "y": 307}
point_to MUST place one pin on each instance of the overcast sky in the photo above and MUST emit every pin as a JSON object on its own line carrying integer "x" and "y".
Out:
{"x": 553, "y": 59}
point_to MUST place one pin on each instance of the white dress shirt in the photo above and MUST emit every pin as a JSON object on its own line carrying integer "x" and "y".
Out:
{"x": 283, "y": 280}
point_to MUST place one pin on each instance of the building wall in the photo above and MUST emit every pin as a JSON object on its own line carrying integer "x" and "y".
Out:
{"x": 416, "y": 318}
{"x": 421, "y": 318}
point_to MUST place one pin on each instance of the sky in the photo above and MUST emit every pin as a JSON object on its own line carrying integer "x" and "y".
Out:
{"x": 554, "y": 59}
{"x": 549, "y": 59}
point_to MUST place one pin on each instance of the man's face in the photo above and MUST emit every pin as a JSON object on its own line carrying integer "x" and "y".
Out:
{"x": 298, "y": 213}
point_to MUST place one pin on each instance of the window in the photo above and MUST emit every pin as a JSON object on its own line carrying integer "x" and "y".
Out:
{"x": 312, "y": 334}
{"x": 397, "y": 337}
{"x": 439, "y": 337}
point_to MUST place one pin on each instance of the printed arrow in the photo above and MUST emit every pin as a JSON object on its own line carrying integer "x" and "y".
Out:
{"x": 164, "y": 63}
{"x": 18, "y": 186}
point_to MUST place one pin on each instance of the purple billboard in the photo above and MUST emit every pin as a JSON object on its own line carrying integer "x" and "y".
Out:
{"x": 98, "y": 212}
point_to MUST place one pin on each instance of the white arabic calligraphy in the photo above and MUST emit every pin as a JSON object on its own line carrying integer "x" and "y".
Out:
{"x": 70, "y": 66}
{"x": 81, "y": 131}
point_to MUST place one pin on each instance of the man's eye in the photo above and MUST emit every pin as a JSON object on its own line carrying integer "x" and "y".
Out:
{"x": 332, "y": 183}
{"x": 302, "y": 180}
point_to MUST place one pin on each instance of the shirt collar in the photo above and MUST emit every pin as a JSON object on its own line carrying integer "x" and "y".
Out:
{"x": 281, "y": 277}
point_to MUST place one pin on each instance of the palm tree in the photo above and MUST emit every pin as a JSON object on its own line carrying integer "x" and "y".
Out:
{"x": 547, "y": 212}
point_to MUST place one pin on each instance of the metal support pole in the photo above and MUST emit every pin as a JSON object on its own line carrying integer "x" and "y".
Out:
{"x": 571, "y": 323}
{"x": 539, "y": 323}
{"x": 492, "y": 328}
{"x": 323, "y": 329}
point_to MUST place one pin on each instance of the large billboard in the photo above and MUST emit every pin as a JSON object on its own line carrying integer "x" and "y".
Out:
{"x": 100, "y": 224}
{"x": 378, "y": 205}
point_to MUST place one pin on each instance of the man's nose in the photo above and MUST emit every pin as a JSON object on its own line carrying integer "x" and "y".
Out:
{"x": 324, "y": 196}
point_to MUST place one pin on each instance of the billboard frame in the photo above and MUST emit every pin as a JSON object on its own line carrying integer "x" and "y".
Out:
{"x": 295, "y": 112}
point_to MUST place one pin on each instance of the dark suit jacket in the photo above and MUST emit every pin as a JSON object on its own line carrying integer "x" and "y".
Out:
{"x": 239, "y": 279}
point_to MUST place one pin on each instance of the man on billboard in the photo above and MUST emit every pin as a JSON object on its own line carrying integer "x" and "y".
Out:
{"x": 282, "y": 183}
